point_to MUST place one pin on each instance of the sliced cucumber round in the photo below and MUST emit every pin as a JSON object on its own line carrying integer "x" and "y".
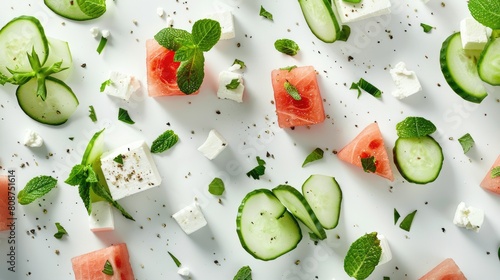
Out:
{"x": 324, "y": 195}
{"x": 19, "y": 37}
{"x": 72, "y": 10}
{"x": 59, "y": 105}
{"x": 265, "y": 228}
{"x": 418, "y": 159}
{"x": 321, "y": 19}
{"x": 59, "y": 51}
{"x": 460, "y": 70}
{"x": 94, "y": 148}
{"x": 488, "y": 65}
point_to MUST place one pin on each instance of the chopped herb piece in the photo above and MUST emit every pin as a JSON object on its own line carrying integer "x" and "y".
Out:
{"x": 415, "y": 127}
{"x": 499, "y": 253}
{"x": 101, "y": 45}
{"x": 164, "y": 142}
{"x": 108, "y": 268}
{"x": 259, "y": 170}
{"x": 292, "y": 91}
{"x": 368, "y": 164}
{"x": 396, "y": 216}
{"x": 176, "y": 260}
{"x": 344, "y": 33}
{"x": 92, "y": 114}
{"x": 124, "y": 116}
{"x": 240, "y": 63}
{"x": 356, "y": 87}
{"x": 363, "y": 256}
{"x": 264, "y": 13}
{"x": 362, "y": 84}
{"x": 234, "y": 84}
{"x": 105, "y": 84}
{"x": 314, "y": 237}
{"x": 315, "y": 155}
{"x": 387, "y": 278}
{"x": 60, "y": 231}
{"x": 103, "y": 192}
{"x": 216, "y": 187}
{"x": 118, "y": 159}
{"x": 427, "y": 28}
{"x": 71, "y": 138}
{"x": 466, "y": 142}
{"x": 286, "y": 46}
{"x": 407, "y": 221}
{"x": 289, "y": 68}
{"x": 36, "y": 188}
{"x": 352, "y": 1}
{"x": 245, "y": 273}
{"x": 495, "y": 172}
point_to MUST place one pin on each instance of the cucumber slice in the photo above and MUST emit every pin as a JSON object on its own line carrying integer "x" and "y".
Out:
{"x": 59, "y": 105}
{"x": 18, "y": 38}
{"x": 59, "y": 51}
{"x": 324, "y": 195}
{"x": 488, "y": 65}
{"x": 94, "y": 148}
{"x": 265, "y": 228}
{"x": 321, "y": 19}
{"x": 70, "y": 9}
{"x": 418, "y": 159}
{"x": 460, "y": 70}
{"x": 295, "y": 202}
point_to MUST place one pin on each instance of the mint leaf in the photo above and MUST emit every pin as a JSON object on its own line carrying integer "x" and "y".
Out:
{"x": 427, "y": 28}
{"x": 345, "y": 32}
{"x": 239, "y": 62}
{"x": 77, "y": 176}
{"x": 108, "y": 268}
{"x": 315, "y": 155}
{"x": 292, "y": 91}
{"x": 36, "y": 188}
{"x": 105, "y": 84}
{"x": 264, "y": 13}
{"x": 104, "y": 193}
{"x": 245, "y": 273}
{"x": 185, "y": 53}
{"x": 164, "y": 142}
{"x": 118, "y": 159}
{"x": 92, "y": 114}
{"x": 176, "y": 261}
{"x": 206, "y": 33}
{"x": 102, "y": 44}
{"x": 216, "y": 187}
{"x": 466, "y": 142}
{"x": 60, "y": 231}
{"x": 92, "y": 8}
{"x": 190, "y": 73}
{"x": 124, "y": 116}
{"x": 259, "y": 170}
{"x": 286, "y": 46}
{"x": 91, "y": 175}
{"x": 368, "y": 87}
{"x": 407, "y": 221}
{"x": 84, "y": 192}
{"x": 363, "y": 256}
{"x": 170, "y": 38}
{"x": 368, "y": 164}
{"x": 396, "y": 216}
{"x": 289, "y": 68}
{"x": 486, "y": 12}
{"x": 234, "y": 84}
{"x": 495, "y": 172}
{"x": 415, "y": 127}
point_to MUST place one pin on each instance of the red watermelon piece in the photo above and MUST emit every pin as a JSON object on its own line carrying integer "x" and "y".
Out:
{"x": 492, "y": 184}
{"x": 4, "y": 203}
{"x": 307, "y": 111}
{"x": 89, "y": 266}
{"x": 368, "y": 143}
{"x": 446, "y": 270}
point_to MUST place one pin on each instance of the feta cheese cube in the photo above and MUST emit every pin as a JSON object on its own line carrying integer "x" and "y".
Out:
{"x": 473, "y": 34}
{"x": 137, "y": 173}
{"x": 190, "y": 218}
{"x": 170, "y": 21}
{"x": 105, "y": 33}
{"x": 160, "y": 12}
{"x": 469, "y": 217}
{"x": 214, "y": 145}
{"x": 101, "y": 217}
{"x": 225, "y": 18}
{"x": 225, "y": 78}
{"x": 183, "y": 271}
{"x": 406, "y": 81}
{"x": 386, "y": 250}
{"x": 349, "y": 12}
{"x": 122, "y": 85}
{"x": 32, "y": 139}
{"x": 94, "y": 31}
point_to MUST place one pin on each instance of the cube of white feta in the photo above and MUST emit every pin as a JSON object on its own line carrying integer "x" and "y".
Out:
{"x": 473, "y": 34}
{"x": 183, "y": 271}
{"x": 469, "y": 217}
{"x": 94, "y": 31}
{"x": 160, "y": 12}
{"x": 350, "y": 12}
{"x": 406, "y": 81}
{"x": 214, "y": 145}
{"x": 101, "y": 217}
{"x": 225, "y": 78}
{"x": 386, "y": 250}
{"x": 137, "y": 173}
{"x": 190, "y": 218}
{"x": 32, "y": 139}
{"x": 225, "y": 18}
{"x": 121, "y": 85}
{"x": 105, "y": 33}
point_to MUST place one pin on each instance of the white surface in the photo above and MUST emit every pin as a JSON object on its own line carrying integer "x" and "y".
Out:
{"x": 369, "y": 200}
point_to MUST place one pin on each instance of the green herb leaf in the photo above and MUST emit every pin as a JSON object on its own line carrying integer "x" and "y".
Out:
{"x": 486, "y": 12}
{"x": 52, "y": 69}
{"x": 216, "y": 187}
{"x": 234, "y": 84}
{"x": 190, "y": 73}
{"x": 495, "y": 172}
{"x": 289, "y": 68}
{"x": 292, "y": 91}
{"x": 92, "y": 114}
{"x": 368, "y": 164}
{"x": 36, "y": 188}
{"x": 108, "y": 268}
{"x": 77, "y": 176}
{"x": 91, "y": 175}
{"x": 105, "y": 84}
{"x": 104, "y": 193}
{"x": 240, "y": 63}
{"x": 92, "y": 8}
{"x": 206, "y": 33}
{"x": 363, "y": 256}
{"x": 315, "y": 155}
{"x": 60, "y": 231}
{"x": 245, "y": 273}
{"x": 84, "y": 192}
{"x": 264, "y": 13}
{"x": 257, "y": 171}
{"x": 466, "y": 142}
{"x": 387, "y": 278}
{"x": 171, "y": 38}
{"x": 352, "y": 1}
{"x": 356, "y": 87}
{"x": 345, "y": 32}
{"x": 427, "y": 28}
{"x": 124, "y": 116}
{"x": 407, "y": 221}
{"x": 396, "y": 216}
{"x": 499, "y": 253}
{"x": 362, "y": 84}
{"x": 118, "y": 159}
{"x": 286, "y": 46}
{"x": 185, "y": 53}
{"x": 101, "y": 45}
{"x": 164, "y": 142}
{"x": 176, "y": 261}
{"x": 415, "y": 127}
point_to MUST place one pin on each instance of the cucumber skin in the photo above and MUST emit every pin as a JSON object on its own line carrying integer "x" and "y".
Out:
{"x": 69, "y": 15}
{"x": 449, "y": 77}
{"x": 482, "y": 57}
{"x": 328, "y": 4}
{"x": 339, "y": 206}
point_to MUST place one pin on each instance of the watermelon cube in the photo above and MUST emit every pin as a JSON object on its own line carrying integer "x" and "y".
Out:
{"x": 4, "y": 204}
{"x": 489, "y": 183}
{"x": 446, "y": 270}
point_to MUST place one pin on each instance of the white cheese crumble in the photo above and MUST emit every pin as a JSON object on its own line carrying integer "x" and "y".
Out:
{"x": 473, "y": 34}
{"x": 122, "y": 85}
{"x": 101, "y": 217}
{"x": 213, "y": 145}
{"x": 469, "y": 217}
{"x": 225, "y": 18}
{"x": 170, "y": 21}
{"x": 386, "y": 250}
{"x": 406, "y": 81}
{"x": 32, "y": 139}
{"x": 160, "y": 12}
{"x": 225, "y": 78}
{"x": 190, "y": 218}
{"x": 183, "y": 271}
{"x": 94, "y": 31}
{"x": 350, "y": 12}
{"x": 105, "y": 33}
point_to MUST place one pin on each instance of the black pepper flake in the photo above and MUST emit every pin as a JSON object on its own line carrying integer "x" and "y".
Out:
{"x": 443, "y": 230}
{"x": 84, "y": 65}
{"x": 350, "y": 58}
{"x": 217, "y": 112}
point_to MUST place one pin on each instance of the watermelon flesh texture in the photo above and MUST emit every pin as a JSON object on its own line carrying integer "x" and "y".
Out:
{"x": 89, "y": 266}
{"x": 4, "y": 204}
{"x": 446, "y": 270}
{"x": 368, "y": 143}
{"x": 492, "y": 184}
{"x": 307, "y": 111}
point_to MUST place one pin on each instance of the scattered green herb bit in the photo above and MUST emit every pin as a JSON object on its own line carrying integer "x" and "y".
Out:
{"x": 387, "y": 278}
{"x": 499, "y": 253}
{"x": 396, "y": 216}
{"x": 108, "y": 268}
{"x": 407, "y": 221}
{"x": 234, "y": 84}
{"x": 495, "y": 172}
{"x": 356, "y": 87}
{"x": 71, "y": 138}
{"x": 118, "y": 159}
{"x": 264, "y": 13}
{"x": 371, "y": 89}
{"x": 427, "y": 28}
{"x": 415, "y": 127}
{"x": 164, "y": 142}
{"x": 486, "y": 12}
{"x": 344, "y": 33}
{"x": 352, "y": 1}
{"x": 315, "y": 155}
{"x": 176, "y": 260}
{"x": 259, "y": 170}
{"x": 124, "y": 116}
{"x": 292, "y": 91}
{"x": 60, "y": 231}
{"x": 216, "y": 187}
{"x": 103, "y": 192}
{"x": 240, "y": 63}
{"x": 105, "y": 84}
{"x": 466, "y": 142}
{"x": 36, "y": 188}
{"x": 368, "y": 164}
{"x": 286, "y": 46}
{"x": 245, "y": 273}
{"x": 92, "y": 114}
{"x": 363, "y": 256}
{"x": 101, "y": 45}
{"x": 289, "y": 68}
